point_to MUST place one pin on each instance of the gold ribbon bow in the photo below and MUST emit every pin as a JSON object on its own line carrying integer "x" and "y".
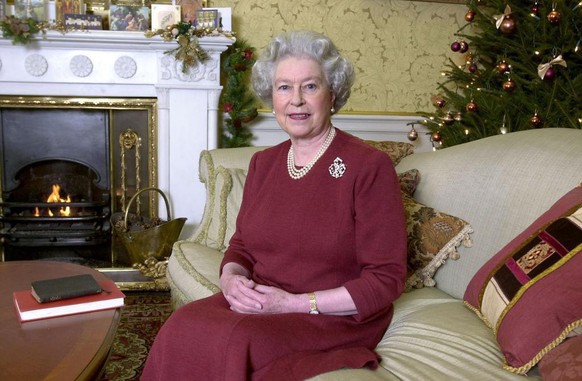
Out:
{"x": 543, "y": 68}
{"x": 499, "y": 18}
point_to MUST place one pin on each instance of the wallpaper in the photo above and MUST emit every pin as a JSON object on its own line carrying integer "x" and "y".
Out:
{"x": 398, "y": 47}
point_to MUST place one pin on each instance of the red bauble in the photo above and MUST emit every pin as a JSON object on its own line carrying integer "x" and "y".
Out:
{"x": 455, "y": 46}
{"x": 536, "y": 121}
{"x": 550, "y": 74}
{"x": 463, "y": 46}
{"x": 436, "y": 136}
{"x": 535, "y": 9}
{"x": 507, "y": 25}
{"x": 554, "y": 17}
{"x": 509, "y": 86}
{"x": 472, "y": 107}
{"x": 470, "y": 16}
{"x": 438, "y": 101}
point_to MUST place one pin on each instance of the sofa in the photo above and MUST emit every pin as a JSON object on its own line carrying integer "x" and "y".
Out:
{"x": 497, "y": 187}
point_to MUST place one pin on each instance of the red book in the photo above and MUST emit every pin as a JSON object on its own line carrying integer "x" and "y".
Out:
{"x": 29, "y": 309}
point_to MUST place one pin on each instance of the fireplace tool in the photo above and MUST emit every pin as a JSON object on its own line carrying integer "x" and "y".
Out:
{"x": 148, "y": 241}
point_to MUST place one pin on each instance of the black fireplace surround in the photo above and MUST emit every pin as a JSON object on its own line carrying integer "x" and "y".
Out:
{"x": 59, "y": 151}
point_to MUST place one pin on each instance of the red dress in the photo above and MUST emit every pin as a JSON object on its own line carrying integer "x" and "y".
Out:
{"x": 315, "y": 233}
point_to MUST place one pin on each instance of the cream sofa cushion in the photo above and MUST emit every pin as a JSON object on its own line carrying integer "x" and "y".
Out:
{"x": 505, "y": 180}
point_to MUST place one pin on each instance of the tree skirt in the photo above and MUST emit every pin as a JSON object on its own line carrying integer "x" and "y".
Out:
{"x": 141, "y": 318}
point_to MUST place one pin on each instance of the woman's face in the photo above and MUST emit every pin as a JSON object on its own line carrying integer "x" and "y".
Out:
{"x": 302, "y": 99}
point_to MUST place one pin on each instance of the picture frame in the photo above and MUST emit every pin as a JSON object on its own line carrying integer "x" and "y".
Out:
{"x": 188, "y": 9}
{"x": 2, "y": 8}
{"x": 72, "y": 7}
{"x": 207, "y": 18}
{"x": 84, "y": 21}
{"x": 34, "y": 9}
{"x": 164, "y": 15}
{"x": 129, "y": 18}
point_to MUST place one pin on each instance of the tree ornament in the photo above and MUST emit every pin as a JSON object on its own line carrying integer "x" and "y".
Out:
{"x": 535, "y": 9}
{"x": 472, "y": 68}
{"x": 550, "y": 74}
{"x": 503, "y": 67}
{"x": 438, "y": 101}
{"x": 508, "y": 25}
{"x": 536, "y": 121}
{"x": 436, "y": 136}
{"x": 554, "y": 17}
{"x": 505, "y": 22}
{"x": 412, "y": 135}
{"x": 458, "y": 116}
{"x": 546, "y": 71}
{"x": 448, "y": 118}
{"x": 455, "y": 46}
{"x": 509, "y": 85}
{"x": 472, "y": 106}
{"x": 470, "y": 15}
{"x": 463, "y": 46}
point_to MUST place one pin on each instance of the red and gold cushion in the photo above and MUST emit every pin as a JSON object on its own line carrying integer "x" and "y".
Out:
{"x": 563, "y": 363}
{"x": 530, "y": 292}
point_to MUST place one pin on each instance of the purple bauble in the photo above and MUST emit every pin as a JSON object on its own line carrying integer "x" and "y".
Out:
{"x": 456, "y": 46}
{"x": 550, "y": 74}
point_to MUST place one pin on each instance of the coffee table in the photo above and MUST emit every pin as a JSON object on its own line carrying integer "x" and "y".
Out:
{"x": 74, "y": 347}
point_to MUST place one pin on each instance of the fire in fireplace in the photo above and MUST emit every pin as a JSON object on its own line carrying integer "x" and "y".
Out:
{"x": 63, "y": 176}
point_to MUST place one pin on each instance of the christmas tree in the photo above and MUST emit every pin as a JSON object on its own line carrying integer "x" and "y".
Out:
{"x": 515, "y": 65}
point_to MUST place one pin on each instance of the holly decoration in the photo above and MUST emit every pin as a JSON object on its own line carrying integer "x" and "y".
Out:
{"x": 236, "y": 100}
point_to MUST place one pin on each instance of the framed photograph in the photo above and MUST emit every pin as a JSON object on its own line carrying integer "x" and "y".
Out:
{"x": 2, "y": 8}
{"x": 164, "y": 15}
{"x": 72, "y": 7}
{"x": 188, "y": 8}
{"x": 34, "y": 9}
{"x": 207, "y": 18}
{"x": 82, "y": 21}
{"x": 129, "y": 18}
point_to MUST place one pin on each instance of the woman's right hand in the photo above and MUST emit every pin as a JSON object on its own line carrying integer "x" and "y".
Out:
{"x": 239, "y": 290}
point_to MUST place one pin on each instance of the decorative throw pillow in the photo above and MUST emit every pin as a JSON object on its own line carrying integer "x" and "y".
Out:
{"x": 409, "y": 181}
{"x": 433, "y": 236}
{"x": 563, "y": 363}
{"x": 530, "y": 292}
{"x": 396, "y": 150}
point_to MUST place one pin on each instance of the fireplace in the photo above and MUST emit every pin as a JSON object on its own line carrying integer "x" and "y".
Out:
{"x": 66, "y": 169}
{"x": 93, "y": 70}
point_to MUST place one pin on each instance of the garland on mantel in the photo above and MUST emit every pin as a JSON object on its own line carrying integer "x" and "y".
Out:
{"x": 236, "y": 101}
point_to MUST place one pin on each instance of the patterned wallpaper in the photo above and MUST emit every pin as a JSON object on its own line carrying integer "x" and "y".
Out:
{"x": 399, "y": 47}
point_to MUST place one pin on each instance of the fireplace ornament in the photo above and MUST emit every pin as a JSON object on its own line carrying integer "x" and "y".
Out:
{"x": 148, "y": 241}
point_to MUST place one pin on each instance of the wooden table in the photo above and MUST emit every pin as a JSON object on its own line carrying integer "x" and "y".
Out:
{"x": 73, "y": 347}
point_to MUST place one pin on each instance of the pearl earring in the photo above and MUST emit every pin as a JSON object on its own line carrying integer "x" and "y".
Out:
{"x": 273, "y": 112}
{"x": 332, "y": 110}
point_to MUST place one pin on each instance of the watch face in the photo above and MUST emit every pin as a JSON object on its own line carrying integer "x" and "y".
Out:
{"x": 314, "y": 312}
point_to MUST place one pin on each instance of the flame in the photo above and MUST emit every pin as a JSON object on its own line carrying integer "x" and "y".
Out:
{"x": 56, "y": 197}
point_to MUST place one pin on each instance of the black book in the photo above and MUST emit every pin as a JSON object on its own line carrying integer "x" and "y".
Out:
{"x": 50, "y": 290}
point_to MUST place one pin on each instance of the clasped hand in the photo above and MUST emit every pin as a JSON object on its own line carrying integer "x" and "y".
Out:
{"x": 246, "y": 296}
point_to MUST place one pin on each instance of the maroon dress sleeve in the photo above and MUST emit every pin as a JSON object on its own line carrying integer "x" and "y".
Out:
{"x": 380, "y": 236}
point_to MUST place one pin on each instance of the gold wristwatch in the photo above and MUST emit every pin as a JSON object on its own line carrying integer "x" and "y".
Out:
{"x": 313, "y": 304}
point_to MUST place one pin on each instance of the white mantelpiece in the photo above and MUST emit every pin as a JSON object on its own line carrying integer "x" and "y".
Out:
{"x": 128, "y": 64}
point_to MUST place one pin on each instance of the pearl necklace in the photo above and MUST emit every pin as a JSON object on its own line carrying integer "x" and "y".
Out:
{"x": 295, "y": 173}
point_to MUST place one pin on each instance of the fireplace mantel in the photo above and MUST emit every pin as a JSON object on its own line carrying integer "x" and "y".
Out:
{"x": 128, "y": 64}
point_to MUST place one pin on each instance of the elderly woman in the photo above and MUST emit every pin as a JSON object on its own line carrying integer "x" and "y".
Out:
{"x": 319, "y": 252}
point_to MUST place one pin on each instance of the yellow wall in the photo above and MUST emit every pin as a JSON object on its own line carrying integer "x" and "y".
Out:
{"x": 399, "y": 47}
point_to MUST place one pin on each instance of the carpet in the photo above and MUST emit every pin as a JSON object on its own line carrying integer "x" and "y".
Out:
{"x": 141, "y": 318}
